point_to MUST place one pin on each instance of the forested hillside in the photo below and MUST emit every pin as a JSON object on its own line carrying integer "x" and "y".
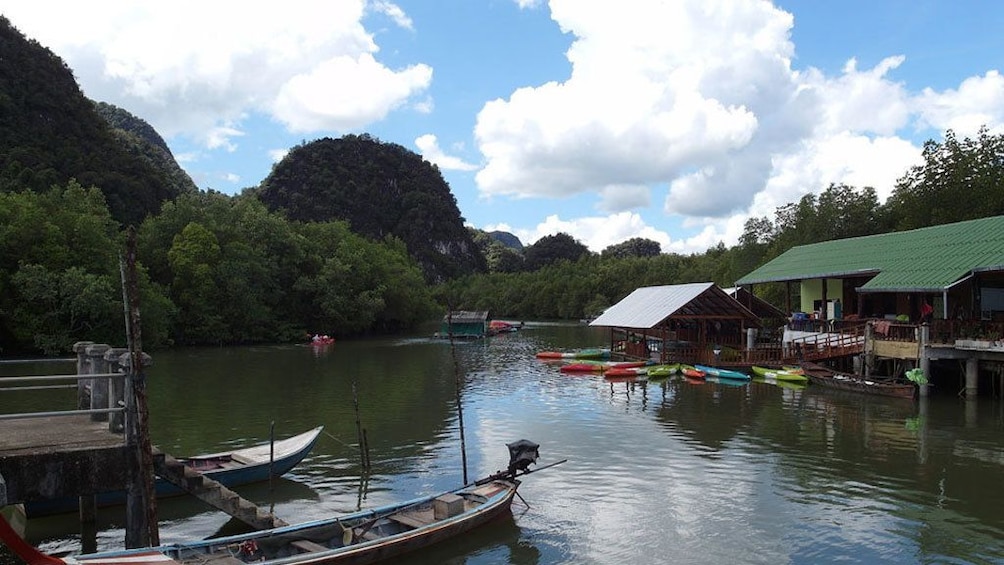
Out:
{"x": 51, "y": 133}
{"x": 380, "y": 189}
{"x": 139, "y": 138}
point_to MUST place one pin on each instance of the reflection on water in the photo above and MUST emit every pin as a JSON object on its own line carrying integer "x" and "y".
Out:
{"x": 659, "y": 471}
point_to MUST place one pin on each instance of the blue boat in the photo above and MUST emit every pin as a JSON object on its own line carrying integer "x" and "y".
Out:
{"x": 230, "y": 468}
{"x": 723, "y": 373}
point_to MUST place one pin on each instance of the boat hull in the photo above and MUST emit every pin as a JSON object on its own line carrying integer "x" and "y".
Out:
{"x": 257, "y": 467}
{"x": 723, "y": 373}
{"x": 321, "y": 542}
{"x": 826, "y": 377}
{"x": 781, "y": 374}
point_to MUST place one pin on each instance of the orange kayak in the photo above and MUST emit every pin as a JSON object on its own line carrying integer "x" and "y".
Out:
{"x": 692, "y": 372}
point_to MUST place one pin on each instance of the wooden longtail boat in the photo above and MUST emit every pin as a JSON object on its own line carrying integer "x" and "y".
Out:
{"x": 231, "y": 468}
{"x": 883, "y": 386}
{"x": 361, "y": 537}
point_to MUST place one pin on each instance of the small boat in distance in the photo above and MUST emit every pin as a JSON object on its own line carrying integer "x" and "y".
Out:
{"x": 319, "y": 340}
{"x": 229, "y": 468}
{"x": 361, "y": 537}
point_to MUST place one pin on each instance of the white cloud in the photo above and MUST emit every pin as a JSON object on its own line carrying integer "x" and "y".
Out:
{"x": 676, "y": 94}
{"x": 978, "y": 101}
{"x": 429, "y": 147}
{"x": 394, "y": 12}
{"x": 701, "y": 97}
{"x": 278, "y": 154}
{"x": 616, "y": 198}
{"x": 190, "y": 67}
{"x": 345, "y": 93}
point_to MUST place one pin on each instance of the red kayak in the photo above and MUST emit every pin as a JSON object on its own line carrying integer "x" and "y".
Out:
{"x": 692, "y": 372}
{"x": 586, "y": 367}
{"x": 625, "y": 371}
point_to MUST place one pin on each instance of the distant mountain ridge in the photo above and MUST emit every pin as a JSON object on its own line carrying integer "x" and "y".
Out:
{"x": 507, "y": 239}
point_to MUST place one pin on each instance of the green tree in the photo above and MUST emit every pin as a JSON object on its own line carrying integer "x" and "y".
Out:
{"x": 959, "y": 180}
{"x": 553, "y": 248}
{"x": 634, "y": 247}
{"x": 194, "y": 257}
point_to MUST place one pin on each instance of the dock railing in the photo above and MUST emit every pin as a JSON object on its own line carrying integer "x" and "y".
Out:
{"x": 100, "y": 382}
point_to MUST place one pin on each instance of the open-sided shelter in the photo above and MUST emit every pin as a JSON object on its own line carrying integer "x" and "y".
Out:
{"x": 683, "y": 322}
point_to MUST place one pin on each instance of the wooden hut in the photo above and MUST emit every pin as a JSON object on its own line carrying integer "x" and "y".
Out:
{"x": 692, "y": 323}
{"x": 463, "y": 324}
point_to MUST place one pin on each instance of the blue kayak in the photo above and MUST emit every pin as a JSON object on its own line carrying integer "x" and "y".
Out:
{"x": 723, "y": 373}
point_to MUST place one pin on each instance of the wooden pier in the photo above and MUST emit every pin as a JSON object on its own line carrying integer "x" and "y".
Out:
{"x": 92, "y": 448}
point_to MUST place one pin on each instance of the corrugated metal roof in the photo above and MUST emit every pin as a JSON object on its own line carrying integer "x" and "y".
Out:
{"x": 921, "y": 260}
{"x": 647, "y": 306}
{"x": 465, "y": 316}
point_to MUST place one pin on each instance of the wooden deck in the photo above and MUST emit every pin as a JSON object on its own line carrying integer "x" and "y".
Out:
{"x": 31, "y": 436}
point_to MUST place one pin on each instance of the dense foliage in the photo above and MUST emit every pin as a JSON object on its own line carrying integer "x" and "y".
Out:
{"x": 380, "y": 189}
{"x": 50, "y": 133}
{"x": 215, "y": 270}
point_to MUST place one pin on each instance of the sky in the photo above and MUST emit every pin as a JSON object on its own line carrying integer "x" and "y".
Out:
{"x": 671, "y": 120}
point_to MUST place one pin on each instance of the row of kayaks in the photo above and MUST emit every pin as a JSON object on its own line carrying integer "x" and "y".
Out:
{"x": 590, "y": 361}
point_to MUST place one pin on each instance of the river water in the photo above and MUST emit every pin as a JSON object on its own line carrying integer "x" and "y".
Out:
{"x": 657, "y": 472}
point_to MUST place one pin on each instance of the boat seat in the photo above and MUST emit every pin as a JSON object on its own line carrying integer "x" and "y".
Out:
{"x": 241, "y": 459}
{"x": 308, "y": 546}
{"x": 409, "y": 520}
{"x": 370, "y": 535}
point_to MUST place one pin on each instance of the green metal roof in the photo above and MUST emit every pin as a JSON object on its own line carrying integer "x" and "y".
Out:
{"x": 922, "y": 260}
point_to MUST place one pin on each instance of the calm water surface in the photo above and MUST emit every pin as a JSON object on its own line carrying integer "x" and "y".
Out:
{"x": 657, "y": 472}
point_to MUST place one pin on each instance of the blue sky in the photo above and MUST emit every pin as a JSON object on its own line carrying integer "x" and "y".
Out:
{"x": 670, "y": 120}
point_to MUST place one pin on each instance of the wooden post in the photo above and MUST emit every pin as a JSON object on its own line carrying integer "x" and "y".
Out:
{"x": 116, "y": 388}
{"x": 83, "y": 368}
{"x": 99, "y": 387}
{"x": 869, "y": 349}
{"x": 141, "y": 505}
{"x": 925, "y": 361}
{"x": 972, "y": 377}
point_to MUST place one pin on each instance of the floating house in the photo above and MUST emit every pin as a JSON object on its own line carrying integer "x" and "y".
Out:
{"x": 901, "y": 299}
{"x": 464, "y": 324}
{"x": 956, "y": 270}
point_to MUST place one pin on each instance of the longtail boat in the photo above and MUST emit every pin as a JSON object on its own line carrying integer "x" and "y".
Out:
{"x": 361, "y": 537}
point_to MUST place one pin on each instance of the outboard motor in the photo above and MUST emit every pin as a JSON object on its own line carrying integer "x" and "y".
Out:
{"x": 522, "y": 454}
